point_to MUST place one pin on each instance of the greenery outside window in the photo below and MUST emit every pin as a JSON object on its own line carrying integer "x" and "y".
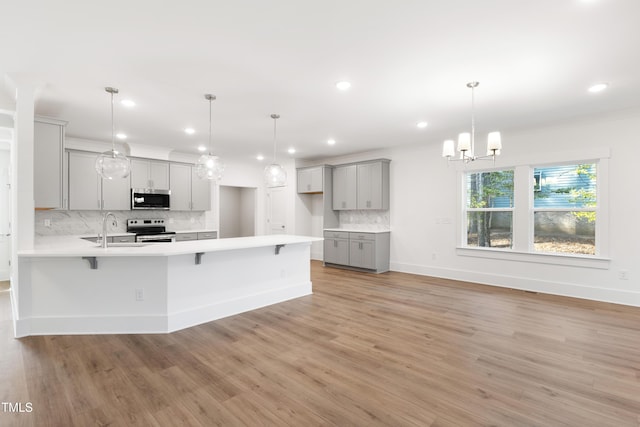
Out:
{"x": 489, "y": 209}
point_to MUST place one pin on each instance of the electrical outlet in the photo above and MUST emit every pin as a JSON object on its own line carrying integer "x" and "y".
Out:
{"x": 47, "y": 222}
{"x": 623, "y": 275}
{"x": 139, "y": 295}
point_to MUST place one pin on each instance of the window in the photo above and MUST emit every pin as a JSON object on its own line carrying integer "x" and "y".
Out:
{"x": 564, "y": 209}
{"x": 489, "y": 209}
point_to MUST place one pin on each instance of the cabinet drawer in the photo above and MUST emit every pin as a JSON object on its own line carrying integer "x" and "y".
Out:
{"x": 336, "y": 235}
{"x": 362, "y": 236}
{"x": 122, "y": 239}
{"x": 184, "y": 237}
{"x": 207, "y": 235}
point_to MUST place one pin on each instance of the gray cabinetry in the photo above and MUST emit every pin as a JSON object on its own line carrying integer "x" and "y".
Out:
{"x": 188, "y": 192}
{"x": 149, "y": 174}
{"x": 207, "y": 235}
{"x": 373, "y": 185}
{"x": 310, "y": 180}
{"x": 344, "y": 187}
{"x": 363, "y": 185}
{"x": 367, "y": 251}
{"x": 48, "y": 164}
{"x": 336, "y": 247}
{"x": 87, "y": 191}
{"x": 185, "y": 237}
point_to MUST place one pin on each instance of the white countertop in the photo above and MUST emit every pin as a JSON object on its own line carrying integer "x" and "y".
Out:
{"x": 357, "y": 230}
{"x": 71, "y": 246}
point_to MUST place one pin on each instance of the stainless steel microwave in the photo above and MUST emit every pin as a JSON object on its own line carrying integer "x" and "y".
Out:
{"x": 150, "y": 198}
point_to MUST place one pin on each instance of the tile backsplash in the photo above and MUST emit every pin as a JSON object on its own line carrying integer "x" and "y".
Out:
{"x": 90, "y": 222}
{"x": 365, "y": 219}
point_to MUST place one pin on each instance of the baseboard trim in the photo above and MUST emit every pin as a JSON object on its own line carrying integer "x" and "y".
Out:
{"x": 616, "y": 296}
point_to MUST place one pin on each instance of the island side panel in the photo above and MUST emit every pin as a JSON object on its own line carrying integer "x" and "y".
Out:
{"x": 63, "y": 295}
{"x": 235, "y": 281}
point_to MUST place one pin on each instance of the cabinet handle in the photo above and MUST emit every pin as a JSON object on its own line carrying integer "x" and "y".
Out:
{"x": 344, "y": 204}
{"x": 335, "y": 243}
{"x": 308, "y": 186}
{"x": 368, "y": 203}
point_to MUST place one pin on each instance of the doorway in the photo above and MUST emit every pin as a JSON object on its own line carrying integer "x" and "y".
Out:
{"x": 5, "y": 214}
{"x": 237, "y": 211}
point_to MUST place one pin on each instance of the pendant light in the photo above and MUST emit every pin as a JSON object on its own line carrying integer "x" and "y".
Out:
{"x": 209, "y": 166}
{"x": 466, "y": 140}
{"x": 274, "y": 174}
{"x": 112, "y": 164}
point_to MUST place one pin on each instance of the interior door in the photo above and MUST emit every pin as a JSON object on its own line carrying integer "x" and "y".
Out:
{"x": 5, "y": 215}
{"x": 277, "y": 210}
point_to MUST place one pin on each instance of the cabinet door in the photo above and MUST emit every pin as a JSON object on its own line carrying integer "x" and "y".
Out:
{"x": 362, "y": 254}
{"x": 304, "y": 180}
{"x": 336, "y": 251}
{"x": 84, "y": 182}
{"x": 116, "y": 195}
{"x": 180, "y": 185}
{"x": 344, "y": 187}
{"x": 47, "y": 165}
{"x": 370, "y": 186}
{"x": 140, "y": 173}
{"x": 159, "y": 175}
{"x": 200, "y": 192}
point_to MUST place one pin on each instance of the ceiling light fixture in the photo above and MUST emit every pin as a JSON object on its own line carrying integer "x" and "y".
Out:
{"x": 128, "y": 103}
{"x": 291, "y": 150}
{"x": 260, "y": 157}
{"x": 599, "y": 87}
{"x": 121, "y": 135}
{"x": 112, "y": 164}
{"x": 202, "y": 148}
{"x": 274, "y": 174}
{"x": 422, "y": 125}
{"x": 189, "y": 131}
{"x": 331, "y": 142}
{"x": 466, "y": 141}
{"x": 209, "y": 166}
{"x": 343, "y": 85}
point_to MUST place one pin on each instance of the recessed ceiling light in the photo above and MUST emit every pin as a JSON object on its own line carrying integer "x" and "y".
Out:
{"x": 260, "y": 157}
{"x": 189, "y": 131}
{"x": 202, "y": 148}
{"x": 331, "y": 142}
{"x": 598, "y": 87}
{"x": 128, "y": 103}
{"x": 291, "y": 150}
{"x": 121, "y": 136}
{"x": 343, "y": 85}
{"x": 422, "y": 125}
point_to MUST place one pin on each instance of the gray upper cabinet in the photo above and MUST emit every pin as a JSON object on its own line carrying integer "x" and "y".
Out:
{"x": 87, "y": 191}
{"x": 344, "y": 187}
{"x": 200, "y": 192}
{"x": 188, "y": 192}
{"x": 363, "y": 185}
{"x": 149, "y": 174}
{"x": 48, "y": 164}
{"x": 373, "y": 185}
{"x": 310, "y": 179}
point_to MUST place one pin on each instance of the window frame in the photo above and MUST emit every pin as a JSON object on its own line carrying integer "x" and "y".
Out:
{"x": 523, "y": 211}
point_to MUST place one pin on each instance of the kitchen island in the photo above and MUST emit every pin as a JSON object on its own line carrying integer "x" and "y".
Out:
{"x": 68, "y": 285}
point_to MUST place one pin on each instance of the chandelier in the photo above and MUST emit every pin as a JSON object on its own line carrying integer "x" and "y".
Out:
{"x": 466, "y": 140}
{"x": 209, "y": 166}
{"x": 112, "y": 164}
{"x": 274, "y": 174}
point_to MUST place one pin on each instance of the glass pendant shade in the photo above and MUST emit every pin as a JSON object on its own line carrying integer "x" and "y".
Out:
{"x": 210, "y": 167}
{"x": 275, "y": 175}
{"x": 113, "y": 165}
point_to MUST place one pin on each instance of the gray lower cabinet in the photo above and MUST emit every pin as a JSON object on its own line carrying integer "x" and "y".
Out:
{"x": 336, "y": 247}
{"x": 369, "y": 251}
{"x": 196, "y": 235}
{"x": 185, "y": 237}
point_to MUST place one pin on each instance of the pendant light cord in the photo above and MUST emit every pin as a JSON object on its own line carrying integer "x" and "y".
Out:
{"x": 473, "y": 120}
{"x": 274, "y": 139}
{"x": 210, "y": 147}
{"x": 113, "y": 129}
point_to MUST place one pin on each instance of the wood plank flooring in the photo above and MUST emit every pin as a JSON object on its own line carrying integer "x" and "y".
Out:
{"x": 364, "y": 350}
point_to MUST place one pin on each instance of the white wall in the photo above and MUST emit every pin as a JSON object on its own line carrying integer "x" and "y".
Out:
{"x": 424, "y": 194}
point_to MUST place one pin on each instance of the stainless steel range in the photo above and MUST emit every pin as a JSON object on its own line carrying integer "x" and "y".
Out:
{"x": 150, "y": 230}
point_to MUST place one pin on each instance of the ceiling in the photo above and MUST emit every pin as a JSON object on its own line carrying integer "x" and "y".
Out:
{"x": 408, "y": 61}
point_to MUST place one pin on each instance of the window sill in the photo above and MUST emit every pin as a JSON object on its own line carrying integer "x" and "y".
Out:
{"x": 584, "y": 261}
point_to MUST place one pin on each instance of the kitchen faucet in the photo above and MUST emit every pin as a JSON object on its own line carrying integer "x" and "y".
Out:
{"x": 103, "y": 243}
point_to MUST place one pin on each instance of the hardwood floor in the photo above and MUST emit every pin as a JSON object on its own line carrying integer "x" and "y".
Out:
{"x": 391, "y": 349}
